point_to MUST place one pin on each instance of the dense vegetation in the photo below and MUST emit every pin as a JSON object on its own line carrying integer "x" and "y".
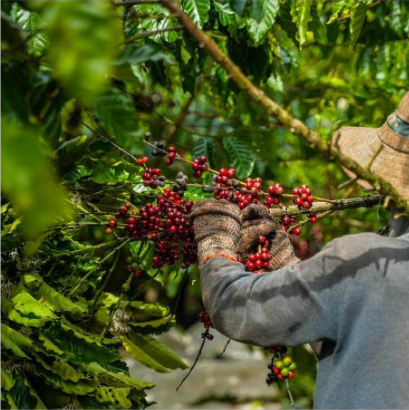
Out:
{"x": 82, "y": 84}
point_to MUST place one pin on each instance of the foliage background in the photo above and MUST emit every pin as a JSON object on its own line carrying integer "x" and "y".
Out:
{"x": 125, "y": 69}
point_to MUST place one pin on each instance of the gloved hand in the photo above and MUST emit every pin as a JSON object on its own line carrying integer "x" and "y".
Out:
{"x": 257, "y": 222}
{"x": 217, "y": 226}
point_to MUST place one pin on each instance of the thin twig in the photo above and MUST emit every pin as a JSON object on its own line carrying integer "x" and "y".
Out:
{"x": 290, "y": 396}
{"x": 103, "y": 137}
{"x": 224, "y": 349}
{"x": 204, "y": 335}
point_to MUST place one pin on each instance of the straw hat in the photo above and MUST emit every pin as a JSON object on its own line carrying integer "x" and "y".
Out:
{"x": 384, "y": 150}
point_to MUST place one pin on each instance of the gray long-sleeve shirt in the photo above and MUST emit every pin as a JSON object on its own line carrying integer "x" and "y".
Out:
{"x": 353, "y": 296}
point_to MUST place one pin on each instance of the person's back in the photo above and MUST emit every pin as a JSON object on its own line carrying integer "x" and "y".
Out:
{"x": 367, "y": 366}
{"x": 353, "y": 296}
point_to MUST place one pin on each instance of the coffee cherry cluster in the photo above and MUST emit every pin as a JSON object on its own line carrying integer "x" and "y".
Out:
{"x": 225, "y": 184}
{"x": 159, "y": 150}
{"x": 280, "y": 369}
{"x": 249, "y": 193}
{"x": 199, "y": 166}
{"x": 304, "y": 199}
{"x": 274, "y": 195}
{"x": 133, "y": 266}
{"x": 207, "y": 323}
{"x": 166, "y": 224}
{"x": 180, "y": 185}
{"x": 152, "y": 177}
{"x": 141, "y": 161}
{"x": 171, "y": 155}
{"x": 259, "y": 262}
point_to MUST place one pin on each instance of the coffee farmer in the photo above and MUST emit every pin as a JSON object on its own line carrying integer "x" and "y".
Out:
{"x": 353, "y": 296}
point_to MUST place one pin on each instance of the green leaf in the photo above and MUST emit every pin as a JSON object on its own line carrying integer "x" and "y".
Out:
{"x": 108, "y": 376}
{"x": 337, "y": 7}
{"x": 29, "y": 181}
{"x": 15, "y": 341}
{"x": 153, "y": 323}
{"x": 238, "y": 6}
{"x": 31, "y": 22}
{"x": 61, "y": 368}
{"x": 114, "y": 397}
{"x": 258, "y": 28}
{"x": 157, "y": 351}
{"x": 358, "y": 16}
{"x": 25, "y": 396}
{"x": 81, "y": 348}
{"x": 51, "y": 298}
{"x": 68, "y": 387}
{"x": 240, "y": 156}
{"x": 7, "y": 382}
{"x": 204, "y": 147}
{"x": 7, "y": 343}
{"x": 137, "y": 54}
{"x": 26, "y": 304}
{"x": 141, "y": 356}
{"x": 301, "y": 17}
{"x": 83, "y": 42}
{"x": 225, "y": 13}
{"x": 317, "y": 26}
{"x": 197, "y": 10}
{"x": 118, "y": 115}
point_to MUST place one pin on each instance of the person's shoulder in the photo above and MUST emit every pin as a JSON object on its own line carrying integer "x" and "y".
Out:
{"x": 358, "y": 243}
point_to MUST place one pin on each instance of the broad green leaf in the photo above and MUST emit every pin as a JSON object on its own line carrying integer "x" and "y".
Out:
{"x": 117, "y": 114}
{"x": 61, "y": 368}
{"x": 197, "y": 10}
{"x": 26, "y": 304}
{"x": 29, "y": 180}
{"x": 7, "y": 343}
{"x": 226, "y": 14}
{"x": 153, "y": 323}
{"x": 317, "y": 26}
{"x": 56, "y": 301}
{"x": 7, "y": 382}
{"x": 82, "y": 387}
{"x": 158, "y": 351}
{"x": 301, "y": 17}
{"x": 103, "y": 374}
{"x": 153, "y": 24}
{"x": 50, "y": 346}
{"x": 83, "y": 42}
{"x": 141, "y": 356}
{"x": 337, "y": 7}
{"x": 81, "y": 348}
{"x": 240, "y": 156}
{"x": 238, "y": 6}
{"x": 258, "y": 28}
{"x": 25, "y": 396}
{"x": 114, "y": 397}
{"x": 31, "y": 22}
{"x": 137, "y": 54}
{"x": 27, "y": 320}
{"x": 17, "y": 337}
{"x": 357, "y": 19}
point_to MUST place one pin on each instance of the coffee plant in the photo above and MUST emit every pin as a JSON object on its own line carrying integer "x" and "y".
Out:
{"x": 117, "y": 117}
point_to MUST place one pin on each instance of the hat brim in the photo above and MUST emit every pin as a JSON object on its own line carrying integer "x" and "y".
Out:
{"x": 365, "y": 146}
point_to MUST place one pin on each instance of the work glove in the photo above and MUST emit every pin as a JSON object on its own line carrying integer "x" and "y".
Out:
{"x": 257, "y": 222}
{"x": 217, "y": 226}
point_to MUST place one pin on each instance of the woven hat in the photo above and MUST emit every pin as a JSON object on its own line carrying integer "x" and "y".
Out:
{"x": 384, "y": 150}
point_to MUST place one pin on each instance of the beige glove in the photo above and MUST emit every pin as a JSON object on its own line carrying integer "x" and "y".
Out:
{"x": 257, "y": 222}
{"x": 217, "y": 226}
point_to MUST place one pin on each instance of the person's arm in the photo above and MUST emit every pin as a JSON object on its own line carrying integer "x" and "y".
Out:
{"x": 293, "y": 305}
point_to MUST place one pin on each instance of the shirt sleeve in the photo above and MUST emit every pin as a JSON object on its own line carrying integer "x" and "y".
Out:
{"x": 293, "y": 305}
